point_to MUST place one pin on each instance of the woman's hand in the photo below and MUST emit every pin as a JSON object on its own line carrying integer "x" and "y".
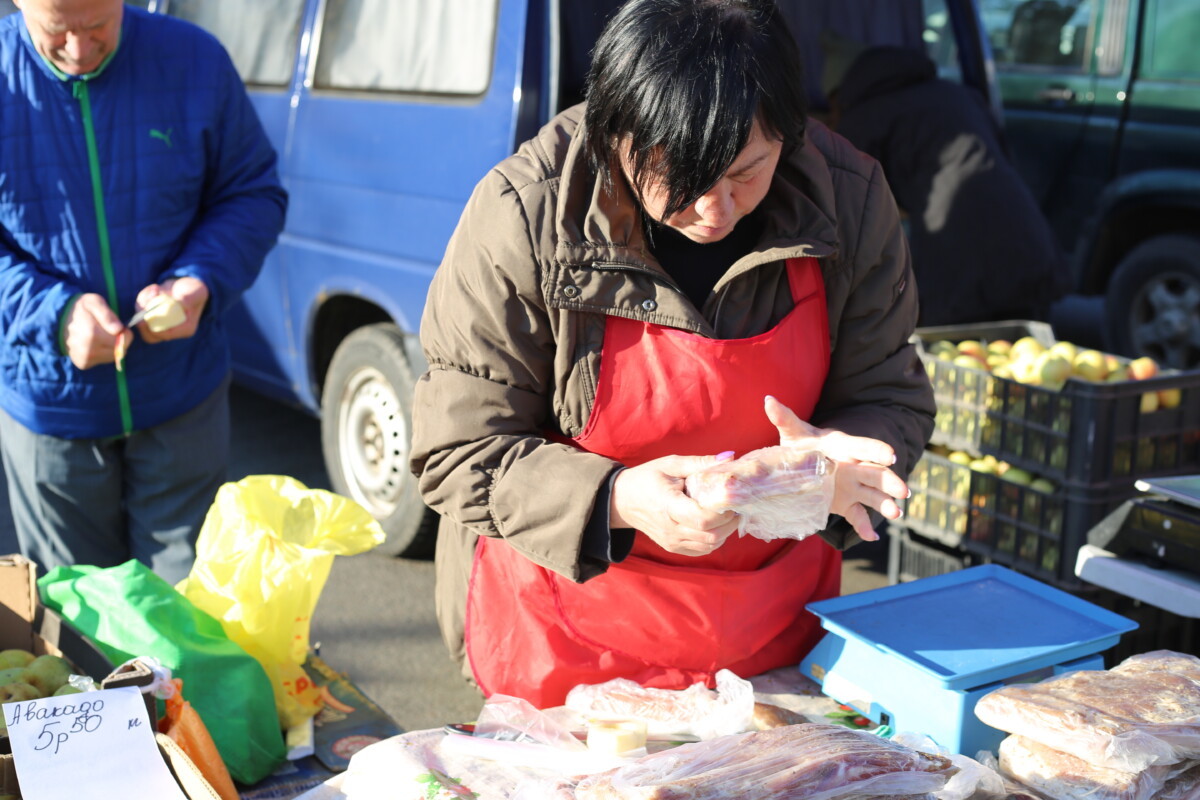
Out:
{"x": 862, "y": 479}
{"x": 651, "y": 498}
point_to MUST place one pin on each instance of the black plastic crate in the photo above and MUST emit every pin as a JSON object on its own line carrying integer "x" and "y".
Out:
{"x": 939, "y": 503}
{"x": 912, "y": 557}
{"x": 1035, "y": 532}
{"x": 1085, "y": 434}
{"x": 1158, "y": 629}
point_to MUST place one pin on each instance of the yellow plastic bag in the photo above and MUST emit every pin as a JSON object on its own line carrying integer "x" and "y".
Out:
{"x": 262, "y": 558}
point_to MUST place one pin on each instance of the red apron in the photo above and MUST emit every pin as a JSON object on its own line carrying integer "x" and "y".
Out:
{"x": 658, "y": 618}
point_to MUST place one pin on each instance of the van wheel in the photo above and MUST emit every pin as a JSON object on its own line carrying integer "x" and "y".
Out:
{"x": 1154, "y": 301}
{"x": 366, "y": 436}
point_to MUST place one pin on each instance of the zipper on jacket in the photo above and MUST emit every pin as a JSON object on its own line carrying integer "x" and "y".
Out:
{"x": 79, "y": 89}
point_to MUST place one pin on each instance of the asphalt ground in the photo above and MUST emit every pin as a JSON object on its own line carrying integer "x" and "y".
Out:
{"x": 375, "y": 617}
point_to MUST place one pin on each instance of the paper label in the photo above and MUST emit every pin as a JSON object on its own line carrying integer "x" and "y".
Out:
{"x": 88, "y": 746}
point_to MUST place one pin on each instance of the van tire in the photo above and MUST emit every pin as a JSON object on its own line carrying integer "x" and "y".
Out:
{"x": 1153, "y": 301}
{"x": 366, "y": 437}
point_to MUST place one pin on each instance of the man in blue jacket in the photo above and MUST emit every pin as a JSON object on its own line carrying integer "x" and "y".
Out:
{"x": 131, "y": 165}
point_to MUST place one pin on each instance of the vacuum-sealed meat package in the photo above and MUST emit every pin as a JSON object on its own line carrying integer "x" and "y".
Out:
{"x": 1143, "y": 712}
{"x": 812, "y": 761}
{"x": 780, "y": 492}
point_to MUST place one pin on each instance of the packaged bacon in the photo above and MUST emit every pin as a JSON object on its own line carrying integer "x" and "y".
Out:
{"x": 812, "y": 761}
{"x": 780, "y": 492}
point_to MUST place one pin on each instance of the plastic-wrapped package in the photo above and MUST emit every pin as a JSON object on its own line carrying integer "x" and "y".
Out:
{"x": 1143, "y": 712}
{"x": 972, "y": 781}
{"x": 515, "y": 720}
{"x": 1064, "y": 777}
{"x": 811, "y": 761}
{"x": 1184, "y": 786}
{"x": 780, "y": 492}
{"x": 696, "y": 711}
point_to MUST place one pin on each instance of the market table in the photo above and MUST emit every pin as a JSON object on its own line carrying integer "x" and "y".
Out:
{"x": 423, "y": 758}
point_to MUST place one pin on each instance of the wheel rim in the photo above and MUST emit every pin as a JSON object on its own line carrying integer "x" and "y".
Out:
{"x": 372, "y": 442}
{"x": 1165, "y": 319}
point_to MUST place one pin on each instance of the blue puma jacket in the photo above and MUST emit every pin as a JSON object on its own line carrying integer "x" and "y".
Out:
{"x": 154, "y": 166}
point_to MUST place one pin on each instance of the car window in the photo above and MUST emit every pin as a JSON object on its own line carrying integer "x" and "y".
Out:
{"x": 938, "y": 36}
{"x": 1040, "y": 33}
{"x": 1174, "y": 32}
{"x": 407, "y": 46}
{"x": 261, "y": 37}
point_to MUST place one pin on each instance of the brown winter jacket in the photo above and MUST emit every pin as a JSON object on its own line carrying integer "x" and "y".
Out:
{"x": 515, "y": 318}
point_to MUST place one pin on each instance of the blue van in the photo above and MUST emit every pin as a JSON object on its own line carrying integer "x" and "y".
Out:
{"x": 385, "y": 114}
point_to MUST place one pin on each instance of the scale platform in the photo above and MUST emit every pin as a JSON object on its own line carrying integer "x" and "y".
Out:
{"x": 918, "y": 656}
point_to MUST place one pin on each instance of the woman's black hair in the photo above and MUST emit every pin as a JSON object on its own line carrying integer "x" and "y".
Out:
{"x": 682, "y": 81}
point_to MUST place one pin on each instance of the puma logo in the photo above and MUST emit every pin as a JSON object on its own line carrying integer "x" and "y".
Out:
{"x": 155, "y": 133}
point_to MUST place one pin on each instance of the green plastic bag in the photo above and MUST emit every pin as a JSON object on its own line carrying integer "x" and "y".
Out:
{"x": 128, "y": 611}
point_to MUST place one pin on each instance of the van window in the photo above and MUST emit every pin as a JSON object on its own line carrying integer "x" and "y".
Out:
{"x": 407, "y": 46}
{"x": 1175, "y": 32}
{"x": 1040, "y": 33}
{"x": 261, "y": 37}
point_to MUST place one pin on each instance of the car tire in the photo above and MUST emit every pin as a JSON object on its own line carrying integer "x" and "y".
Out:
{"x": 1153, "y": 301}
{"x": 366, "y": 436}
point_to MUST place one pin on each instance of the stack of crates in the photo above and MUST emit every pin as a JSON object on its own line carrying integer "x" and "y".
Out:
{"x": 1087, "y": 442}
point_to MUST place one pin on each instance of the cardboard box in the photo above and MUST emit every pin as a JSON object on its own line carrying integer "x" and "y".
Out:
{"x": 26, "y": 624}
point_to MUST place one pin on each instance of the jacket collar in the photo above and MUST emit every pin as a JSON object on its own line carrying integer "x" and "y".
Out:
{"x": 605, "y": 227}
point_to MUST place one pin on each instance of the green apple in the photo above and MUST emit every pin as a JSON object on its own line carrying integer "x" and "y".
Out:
{"x": 1016, "y": 475}
{"x": 1065, "y": 349}
{"x": 15, "y": 657}
{"x": 973, "y": 347}
{"x": 1024, "y": 347}
{"x": 1043, "y": 485}
{"x": 1090, "y": 365}
{"x": 1053, "y": 369}
{"x": 942, "y": 346}
{"x": 13, "y": 675}
{"x": 19, "y": 692}
{"x": 48, "y": 673}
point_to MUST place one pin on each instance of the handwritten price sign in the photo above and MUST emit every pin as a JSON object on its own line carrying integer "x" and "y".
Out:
{"x": 87, "y": 746}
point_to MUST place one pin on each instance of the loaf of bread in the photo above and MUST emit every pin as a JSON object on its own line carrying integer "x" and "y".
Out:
{"x": 1143, "y": 712}
{"x": 1064, "y": 777}
{"x": 767, "y": 716}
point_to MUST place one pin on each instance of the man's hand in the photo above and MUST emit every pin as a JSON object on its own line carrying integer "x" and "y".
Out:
{"x": 191, "y": 293}
{"x": 651, "y": 498}
{"x": 93, "y": 332}
{"x": 862, "y": 479}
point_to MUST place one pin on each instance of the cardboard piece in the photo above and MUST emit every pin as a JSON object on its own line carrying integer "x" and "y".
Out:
{"x": 347, "y": 722}
{"x": 26, "y": 624}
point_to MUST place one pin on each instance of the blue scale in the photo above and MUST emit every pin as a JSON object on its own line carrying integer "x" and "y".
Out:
{"x": 918, "y": 656}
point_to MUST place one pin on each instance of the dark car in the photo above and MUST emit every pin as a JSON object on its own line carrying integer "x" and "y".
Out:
{"x": 1102, "y": 115}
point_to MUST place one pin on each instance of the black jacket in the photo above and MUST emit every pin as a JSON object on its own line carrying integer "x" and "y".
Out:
{"x": 982, "y": 249}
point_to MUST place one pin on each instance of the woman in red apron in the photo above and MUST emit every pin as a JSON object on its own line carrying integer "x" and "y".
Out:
{"x": 613, "y": 323}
